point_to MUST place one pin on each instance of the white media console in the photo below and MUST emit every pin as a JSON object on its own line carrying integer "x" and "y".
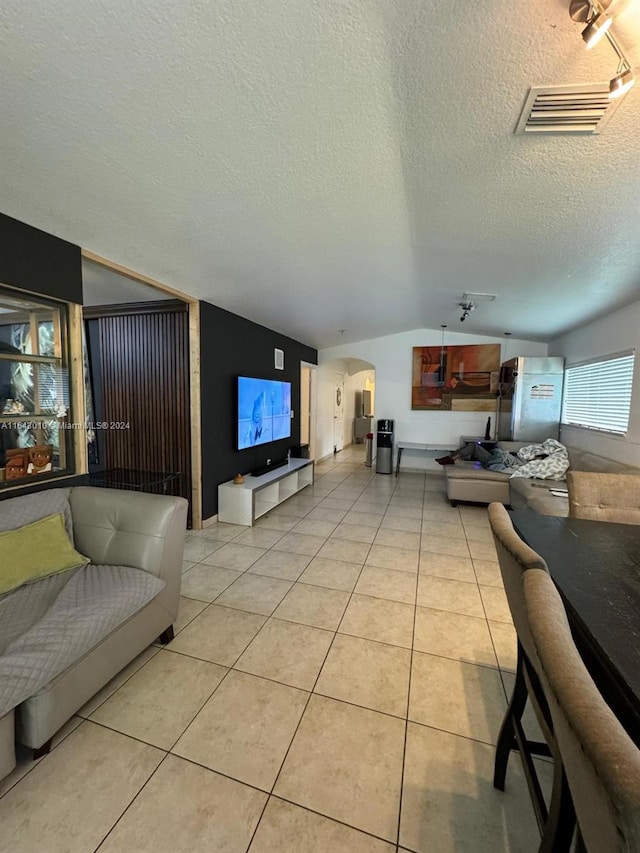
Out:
{"x": 243, "y": 503}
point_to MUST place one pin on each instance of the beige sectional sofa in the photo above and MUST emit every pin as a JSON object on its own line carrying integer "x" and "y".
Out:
{"x": 469, "y": 481}
{"x": 63, "y": 637}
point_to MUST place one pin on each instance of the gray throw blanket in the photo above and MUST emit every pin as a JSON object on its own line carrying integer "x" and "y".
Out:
{"x": 92, "y": 603}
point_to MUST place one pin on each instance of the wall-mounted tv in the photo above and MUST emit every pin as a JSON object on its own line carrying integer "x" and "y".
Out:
{"x": 264, "y": 411}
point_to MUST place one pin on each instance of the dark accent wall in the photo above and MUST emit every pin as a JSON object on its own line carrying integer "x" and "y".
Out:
{"x": 140, "y": 377}
{"x": 39, "y": 262}
{"x": 231, "y": 346}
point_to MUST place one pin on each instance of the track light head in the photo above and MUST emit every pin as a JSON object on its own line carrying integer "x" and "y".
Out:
{"x": 467, "y": 308}
{"x": 596, "y": 29}
{"x": 621, "y": 83}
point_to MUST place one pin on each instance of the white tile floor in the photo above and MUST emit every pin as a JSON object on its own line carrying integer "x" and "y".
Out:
{"x": 337, "y": 683}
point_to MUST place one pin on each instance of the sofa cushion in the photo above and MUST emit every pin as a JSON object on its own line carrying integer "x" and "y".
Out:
{"x": 16, "y": 512}
{"x": 95, "y": 601}
{"x": 473, "y": 471}
{"x": 36, "y": 550}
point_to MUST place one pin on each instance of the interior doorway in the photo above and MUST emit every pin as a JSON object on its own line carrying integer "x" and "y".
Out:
{"x": 338, "y": 413}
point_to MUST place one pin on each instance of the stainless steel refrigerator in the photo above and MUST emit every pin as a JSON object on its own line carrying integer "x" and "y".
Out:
{"x": 530, "y": 398}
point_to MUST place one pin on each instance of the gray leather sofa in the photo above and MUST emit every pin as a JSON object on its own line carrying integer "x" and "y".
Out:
{"x": 128, "y": 536}
{"x": 469, "y": 481}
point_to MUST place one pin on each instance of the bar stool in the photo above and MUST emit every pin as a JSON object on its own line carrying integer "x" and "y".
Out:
{"x": 556, "y": 822}
{"x": 602, "y": 763}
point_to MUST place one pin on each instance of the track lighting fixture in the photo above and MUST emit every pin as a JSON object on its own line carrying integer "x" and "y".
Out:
{"x": 467, "y": 308}
{"x": 621, "y": 83}
{"x": 596, "y": 29}
{"x": 593, "y": 13}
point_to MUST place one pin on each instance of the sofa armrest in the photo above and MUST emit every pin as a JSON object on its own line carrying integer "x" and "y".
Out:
{"x": 124, "y": 528}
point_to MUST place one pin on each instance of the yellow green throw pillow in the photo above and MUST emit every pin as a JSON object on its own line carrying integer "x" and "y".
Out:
{"x": 36, "y": 550}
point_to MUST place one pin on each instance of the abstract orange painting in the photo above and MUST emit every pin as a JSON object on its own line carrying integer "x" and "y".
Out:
{"x": 455, "y": 378}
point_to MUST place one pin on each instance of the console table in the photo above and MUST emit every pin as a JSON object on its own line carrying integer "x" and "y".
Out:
{"x": 243, "y": 503}
{"x": 420, "y": 446}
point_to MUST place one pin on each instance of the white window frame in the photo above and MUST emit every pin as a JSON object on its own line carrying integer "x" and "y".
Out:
{"x": 597, "y": 393}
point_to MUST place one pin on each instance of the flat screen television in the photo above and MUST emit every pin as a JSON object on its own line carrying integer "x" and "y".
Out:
{"x": 264, "y": 411}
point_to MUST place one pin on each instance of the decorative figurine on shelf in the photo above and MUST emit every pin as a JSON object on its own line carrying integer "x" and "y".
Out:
{"x": 238, "y": 479}
{"x": 40, "y": 458}
{"x": 16, "y": 463}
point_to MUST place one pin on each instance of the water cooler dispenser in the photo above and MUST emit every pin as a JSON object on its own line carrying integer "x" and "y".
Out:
{"x": 384, "y": 455}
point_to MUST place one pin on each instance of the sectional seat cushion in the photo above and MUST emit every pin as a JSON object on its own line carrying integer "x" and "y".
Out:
{"x": 94, "y": 601}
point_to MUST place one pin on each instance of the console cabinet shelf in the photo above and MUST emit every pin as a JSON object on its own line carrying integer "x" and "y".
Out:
{"x": 243, "y": 503}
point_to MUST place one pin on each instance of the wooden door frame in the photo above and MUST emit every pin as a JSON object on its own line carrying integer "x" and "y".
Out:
{"x": 194, "y": 371}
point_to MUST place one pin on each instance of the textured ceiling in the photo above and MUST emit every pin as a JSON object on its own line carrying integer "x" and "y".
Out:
{"x": 318, "y": 165}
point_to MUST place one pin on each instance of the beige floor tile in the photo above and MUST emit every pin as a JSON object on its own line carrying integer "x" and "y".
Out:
{"x": 259, "y": 537}
{"x": 355, "y": 532}
{"x": 478, "y": 533}
{"x": 222, "y": 531}
{"x": 204, "y": 582}
{"x": 236, "y": 557}
{"x": 449, "y": 803}
{"x": 218, "y": 634}
{"x": 300, "y": 543}
{"x": 399, "y": 522}
{"x": 447, "y": 566}
{"x": 363, "y": 519}
{"x": 365, "y": 673}
{"x": 281, "y": 564}
{"x": 326, "y": 514}
{"x": 117, "y": 681}
{"x": 190, "y": 808}
{"x": 333, "y": 574}
{"x": 186, "y": 566}
{"x": 275, "y": 522}
{"x": 440, "y": 513}
{"x": 76, "y": 807}
{"x": 197, "y": 548}
{"x": 345, "y": 550}
{"x": 442, "y": 530}
{"x": 457, "y": 697}
{"x": 313, "y": 605}
{"x": 245, "y": 729}
{"x": 451, "y": 595}
{"x": 287, "y": 652}
{"x": 404, "y": 511}
{"x": 346, "y": 763}
{"x": 145, "y": 709}
{"x": 378, "y": 619}
{"x": 188, "y": 609}
{"x": 488, "y": 573}
{"x": 336, "y": 503}
{"x": 496, "y": 604}
{"x": 451, "y": 635}
{"x": 255, "y": 593}
{"x": 505, "y": 641}
{"x": 387, "y": 583}
{"x": 24, "y": 756}
{"x": 386, "y": 557}
{"x": 444, "y": 545}
{"x": 397, "y": 538}
{"x": 286, "y": 828}
{"x": 315, "y": 527}
{"x": 482, "y": 550}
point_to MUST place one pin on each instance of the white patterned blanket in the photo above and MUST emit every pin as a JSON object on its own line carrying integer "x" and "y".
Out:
{"x": 68, "y": 623}
{"x": 553, "y": 467}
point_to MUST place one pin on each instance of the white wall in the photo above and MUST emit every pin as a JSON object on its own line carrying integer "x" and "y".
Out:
{"x": 614, "y": 333}
{"x": 392, "y": 358}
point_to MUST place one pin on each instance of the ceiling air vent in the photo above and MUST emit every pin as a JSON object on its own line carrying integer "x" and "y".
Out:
{"x": 581, "y": 108}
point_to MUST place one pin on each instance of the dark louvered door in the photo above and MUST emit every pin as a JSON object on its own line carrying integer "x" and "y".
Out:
{"x": 144, "y": 367}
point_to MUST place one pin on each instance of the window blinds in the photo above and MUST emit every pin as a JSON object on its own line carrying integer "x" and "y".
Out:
{"x": 597, "y": 395}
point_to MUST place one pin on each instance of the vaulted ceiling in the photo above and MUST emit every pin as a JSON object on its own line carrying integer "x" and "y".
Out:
{"x": 326, "y": 165}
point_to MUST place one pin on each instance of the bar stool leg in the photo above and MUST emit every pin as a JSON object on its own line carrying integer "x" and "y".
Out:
{"x": 507, "y": 737}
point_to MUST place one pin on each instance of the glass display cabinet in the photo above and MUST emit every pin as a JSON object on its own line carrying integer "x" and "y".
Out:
{"x": 36, "y": 422}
